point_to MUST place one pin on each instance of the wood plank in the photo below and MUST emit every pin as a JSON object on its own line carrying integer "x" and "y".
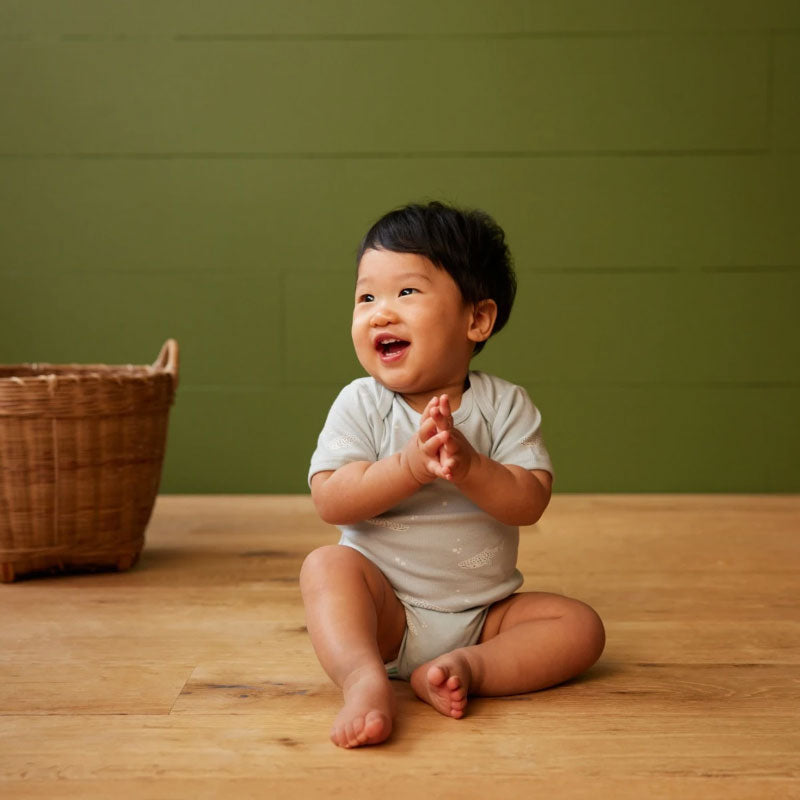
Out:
{"x": 192, "y": 642}
{"x": 713, "y": 535}
{"x": 704, "y": 693}
{"x": 194, "y": 746}
{"x": 665, "y": 596}
{"x": 354, "y": 782}
{"x": 192, "y": 674}
{"x": 50, "y": 685}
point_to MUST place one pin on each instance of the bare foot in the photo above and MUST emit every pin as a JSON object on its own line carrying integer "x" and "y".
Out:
{"x": 368, "y": 711}
{"x": 444, "y": 683}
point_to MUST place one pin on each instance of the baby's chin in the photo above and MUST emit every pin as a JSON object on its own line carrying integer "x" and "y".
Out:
{"x": 410, "y": 391}
{"x": 386, "y": 380}
{"x": 397, "y": 388}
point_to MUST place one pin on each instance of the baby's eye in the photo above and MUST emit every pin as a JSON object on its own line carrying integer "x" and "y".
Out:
{"x": 365, "y": 298}
{"x": 407, "y": 291}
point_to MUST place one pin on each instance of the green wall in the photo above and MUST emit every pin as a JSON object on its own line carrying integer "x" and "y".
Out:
{"x": 204, "y": 170}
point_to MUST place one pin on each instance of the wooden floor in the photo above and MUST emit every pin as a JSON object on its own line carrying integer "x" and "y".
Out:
{"x": 192, "y": 676}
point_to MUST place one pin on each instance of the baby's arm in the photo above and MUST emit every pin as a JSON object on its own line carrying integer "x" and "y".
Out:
{"x": 363, "y": 489}
{"x": 511, "y": 494}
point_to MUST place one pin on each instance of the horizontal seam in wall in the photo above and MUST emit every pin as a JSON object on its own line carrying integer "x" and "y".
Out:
{"x": 222, "y": 273}
{"x": 399, "y": 155}
{"x": 122, "y": 38}
{"x": 622, "y": 33}
{"x": 537, "y": 384}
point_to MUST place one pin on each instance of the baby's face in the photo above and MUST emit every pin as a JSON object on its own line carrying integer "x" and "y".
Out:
{"x": 411, "y": 326}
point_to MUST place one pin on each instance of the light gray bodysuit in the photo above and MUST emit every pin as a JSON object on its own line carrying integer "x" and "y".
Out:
{"x": 440, "y": 552}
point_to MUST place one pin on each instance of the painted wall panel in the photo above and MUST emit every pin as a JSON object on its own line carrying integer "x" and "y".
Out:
{"x": 786, "y": 121}
{"x": 635, "y": 213}
{"x": 205, "y": 171}
{"x": 229, "y": 327}
{"x": 373, "y": 96}
{"x": 156, "y": 18}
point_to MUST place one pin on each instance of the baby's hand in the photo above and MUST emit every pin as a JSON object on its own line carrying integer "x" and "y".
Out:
{"x": 422, "y": 454}
{"x": 456, "y": 454}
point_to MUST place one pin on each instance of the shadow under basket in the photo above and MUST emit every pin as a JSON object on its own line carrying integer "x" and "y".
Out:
{"x": 81, "y": 451}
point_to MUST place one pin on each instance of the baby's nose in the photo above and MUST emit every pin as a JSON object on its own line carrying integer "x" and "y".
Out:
{"x": 383, "y": 315}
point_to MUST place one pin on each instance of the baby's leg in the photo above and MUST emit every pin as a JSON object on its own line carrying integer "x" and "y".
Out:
{"x": 356, "y": 623}
{"x": 530, "y": 641}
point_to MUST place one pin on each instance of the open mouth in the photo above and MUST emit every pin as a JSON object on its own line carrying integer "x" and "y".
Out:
{"x": 390, "y": 349}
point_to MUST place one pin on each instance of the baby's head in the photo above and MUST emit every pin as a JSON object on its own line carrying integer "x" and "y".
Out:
{"x": 469, "y": 245}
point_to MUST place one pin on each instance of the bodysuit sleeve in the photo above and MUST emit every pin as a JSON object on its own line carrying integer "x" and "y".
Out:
{"x": 352, "y": 430}
{"x": 517, "y": 431}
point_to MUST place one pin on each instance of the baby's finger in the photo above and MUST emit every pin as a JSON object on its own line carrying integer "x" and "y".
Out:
{"x": 427, "y": 429}
{"x": 433, "y": 445}
{"x": 433, "y": 467}
{"x": 450, "y": 446}
{"x": 443, "y": 422}
{"x": 426, "y": 412}
{"x": 446, "y": 470}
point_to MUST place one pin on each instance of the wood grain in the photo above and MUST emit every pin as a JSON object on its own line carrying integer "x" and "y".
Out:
{"x": 193, "y": 676}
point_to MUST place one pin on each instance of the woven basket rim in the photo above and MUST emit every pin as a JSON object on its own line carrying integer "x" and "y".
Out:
{"x": 36, "y": 373}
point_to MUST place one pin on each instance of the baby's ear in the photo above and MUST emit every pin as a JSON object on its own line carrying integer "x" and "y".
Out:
{"x": 484, "y": 314}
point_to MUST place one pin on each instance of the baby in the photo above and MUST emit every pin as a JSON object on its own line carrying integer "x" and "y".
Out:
{"x": 428, "y": 469}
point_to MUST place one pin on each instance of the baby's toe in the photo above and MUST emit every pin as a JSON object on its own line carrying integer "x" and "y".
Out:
{"x": 338, "y": 737}
{"x": 374, "y": 726}
{"x": 358, "y": 736}
{"x": 437, "y": 676}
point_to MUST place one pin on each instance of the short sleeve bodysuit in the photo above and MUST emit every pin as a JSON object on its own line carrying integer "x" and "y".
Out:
{"x": 437, "y": 548}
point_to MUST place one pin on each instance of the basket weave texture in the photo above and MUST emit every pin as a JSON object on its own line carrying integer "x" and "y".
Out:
{"x": 81, "y": 451}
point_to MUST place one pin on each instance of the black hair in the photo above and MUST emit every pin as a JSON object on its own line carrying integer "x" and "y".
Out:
{"x": 468, "y": 244}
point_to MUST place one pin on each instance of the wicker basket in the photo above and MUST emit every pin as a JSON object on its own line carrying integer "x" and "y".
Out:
{"x": 81, "y": 449}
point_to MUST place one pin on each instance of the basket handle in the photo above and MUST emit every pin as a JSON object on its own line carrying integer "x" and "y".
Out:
{"x": 168, "y": 359}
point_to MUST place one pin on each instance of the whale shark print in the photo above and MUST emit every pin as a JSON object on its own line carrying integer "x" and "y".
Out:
{"x": 482, "y": 559}
{"x": 343, "y": 441}
{"x": 387, "y": 523}
{"x": 534, "y": 441}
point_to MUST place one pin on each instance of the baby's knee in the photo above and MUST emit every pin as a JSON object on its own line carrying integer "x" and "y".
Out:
{"x": 318, "y": 562}
{"x": 320, "y": 565}
{"x": 592, "y": 630}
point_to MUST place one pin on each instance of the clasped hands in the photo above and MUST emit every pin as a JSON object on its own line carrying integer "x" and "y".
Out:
{"x": 439, "y": 450}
